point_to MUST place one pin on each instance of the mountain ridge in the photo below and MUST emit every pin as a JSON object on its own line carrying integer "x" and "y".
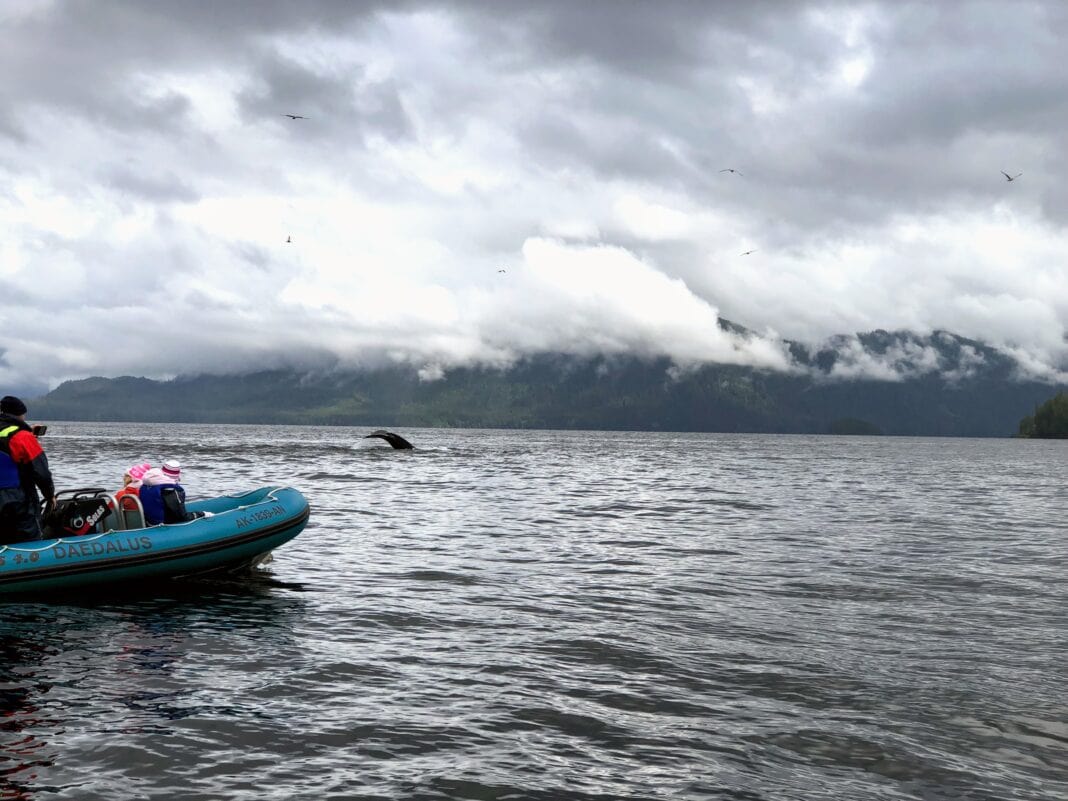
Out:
{"x": 881, "y": 381}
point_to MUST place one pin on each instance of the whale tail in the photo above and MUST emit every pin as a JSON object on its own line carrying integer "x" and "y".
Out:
{"x": 396, "y": 440}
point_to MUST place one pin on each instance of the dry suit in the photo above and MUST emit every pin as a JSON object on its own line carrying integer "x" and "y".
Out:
{"x": 23, "y": 470}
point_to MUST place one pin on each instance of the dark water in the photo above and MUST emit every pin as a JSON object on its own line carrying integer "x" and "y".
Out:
{"x": 546, "y": 615}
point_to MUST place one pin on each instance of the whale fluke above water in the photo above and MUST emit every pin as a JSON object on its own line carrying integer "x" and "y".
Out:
{"x": 396, "y": 440}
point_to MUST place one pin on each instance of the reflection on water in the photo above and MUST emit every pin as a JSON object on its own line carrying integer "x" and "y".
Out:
{"x": 23, "y": 751}
{"x": 546, "y": 615}
{"x": 112, "y": 673}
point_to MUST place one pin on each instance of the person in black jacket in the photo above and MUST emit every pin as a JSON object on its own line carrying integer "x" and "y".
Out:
{"x": 23, "y": 470}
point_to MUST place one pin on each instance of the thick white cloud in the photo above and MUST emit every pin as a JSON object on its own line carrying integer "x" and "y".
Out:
{"x": 149, "y": 181}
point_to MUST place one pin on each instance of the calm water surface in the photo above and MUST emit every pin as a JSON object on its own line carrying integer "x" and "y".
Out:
{"x": 551, "y": 615}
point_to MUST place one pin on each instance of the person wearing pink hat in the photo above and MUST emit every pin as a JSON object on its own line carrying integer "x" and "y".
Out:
{"x": 131, "y": 479}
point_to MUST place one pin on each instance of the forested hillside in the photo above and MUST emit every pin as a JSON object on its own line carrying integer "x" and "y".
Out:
{"x": 969, "y": 395}
{"x": 1050, "y": 420}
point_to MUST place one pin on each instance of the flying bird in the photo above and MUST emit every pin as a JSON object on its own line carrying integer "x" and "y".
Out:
{"x": 729, "y": 169}
{"x": 1011, "y": 177}
{"x": 748, "y": 252}
{"x": 289, "y": 240}
{"x": 294, "y": 116}
{"x": 502, "y": 271}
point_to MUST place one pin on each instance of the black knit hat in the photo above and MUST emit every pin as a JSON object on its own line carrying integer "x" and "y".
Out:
{"x": 9, "y": 404}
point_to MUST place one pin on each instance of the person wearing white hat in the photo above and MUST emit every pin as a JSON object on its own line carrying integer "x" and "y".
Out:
{"x": 170, "y": 472}
{"x": 163, "y": 497}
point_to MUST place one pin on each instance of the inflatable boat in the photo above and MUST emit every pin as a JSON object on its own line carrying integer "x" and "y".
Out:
{"x": 238, "y": 533}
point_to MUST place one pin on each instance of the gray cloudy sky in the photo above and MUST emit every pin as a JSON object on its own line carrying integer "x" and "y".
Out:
{"x": 149, "y": 180}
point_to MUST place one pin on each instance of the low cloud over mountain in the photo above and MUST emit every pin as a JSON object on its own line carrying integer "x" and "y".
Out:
{"x": 469, "y": 183}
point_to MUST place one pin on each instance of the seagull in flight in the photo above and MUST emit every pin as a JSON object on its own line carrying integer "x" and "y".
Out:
{"x": 730, "y": 169}
{"x": 748, "y": 252}
{"x": 289, "y": 240}
{"x": 294, "y": 116}
{"x": 502, "y": 271}
{"x": 1011, "y": 177}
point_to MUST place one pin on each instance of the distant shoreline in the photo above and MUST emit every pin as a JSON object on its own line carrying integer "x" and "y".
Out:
{"x": 561, "y": 393}
{"x": 51, "y": 422}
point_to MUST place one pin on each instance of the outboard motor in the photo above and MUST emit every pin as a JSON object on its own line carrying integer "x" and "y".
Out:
{"x": 77, "y": 512}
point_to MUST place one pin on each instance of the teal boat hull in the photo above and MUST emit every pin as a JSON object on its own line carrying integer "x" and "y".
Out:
{"x": 242, "y": 530}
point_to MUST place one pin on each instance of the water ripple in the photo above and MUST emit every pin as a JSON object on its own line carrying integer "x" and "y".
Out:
{"x": 549, "y": 615}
